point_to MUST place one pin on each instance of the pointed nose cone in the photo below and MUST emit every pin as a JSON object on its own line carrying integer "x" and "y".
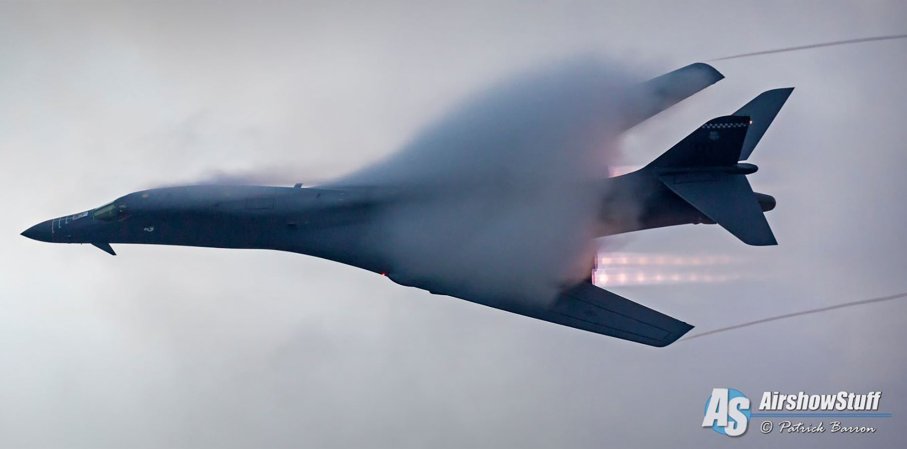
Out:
{"x": 41, "y": 232}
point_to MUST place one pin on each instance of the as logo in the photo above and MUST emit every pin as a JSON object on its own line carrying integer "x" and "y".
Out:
{"x": 727, "y": 412}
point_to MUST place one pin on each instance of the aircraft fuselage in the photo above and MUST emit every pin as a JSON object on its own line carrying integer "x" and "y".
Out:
{"x": 328, "y": 223}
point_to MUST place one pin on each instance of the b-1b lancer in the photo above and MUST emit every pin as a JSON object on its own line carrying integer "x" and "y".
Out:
{"x": 701, "y": 179}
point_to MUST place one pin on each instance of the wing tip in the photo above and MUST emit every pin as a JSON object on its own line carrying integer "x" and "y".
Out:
{"x": 707, "y": 70}
{"x": 680, "y": 331}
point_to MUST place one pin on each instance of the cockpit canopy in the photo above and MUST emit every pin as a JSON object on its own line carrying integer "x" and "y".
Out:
{"x": 110, "y": 212}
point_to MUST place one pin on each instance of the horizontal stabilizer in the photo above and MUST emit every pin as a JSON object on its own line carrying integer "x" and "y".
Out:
{"x": 590, "y": 308}
{"x": 726, "y": 199}
{"x": 761, "y": 111}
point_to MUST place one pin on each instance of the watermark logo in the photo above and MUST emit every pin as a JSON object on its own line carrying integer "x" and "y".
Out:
{"x": 727, "y": 411}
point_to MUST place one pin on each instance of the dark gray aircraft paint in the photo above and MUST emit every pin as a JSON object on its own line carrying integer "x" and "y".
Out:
{"x": 698, "y": 180}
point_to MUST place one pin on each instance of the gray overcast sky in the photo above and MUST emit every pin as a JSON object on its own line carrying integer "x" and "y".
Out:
{"x": 186, "y": 347}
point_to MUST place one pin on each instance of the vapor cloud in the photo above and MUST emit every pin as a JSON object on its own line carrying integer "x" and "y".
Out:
{"x": 504, "y": 190}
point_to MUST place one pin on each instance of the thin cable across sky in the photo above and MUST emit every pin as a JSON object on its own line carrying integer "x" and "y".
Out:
{"x": 796, "y": 314}
{"x": 811, "y": 46}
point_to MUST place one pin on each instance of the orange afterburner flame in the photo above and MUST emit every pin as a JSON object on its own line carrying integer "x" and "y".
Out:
{"x": 628, "y": 269}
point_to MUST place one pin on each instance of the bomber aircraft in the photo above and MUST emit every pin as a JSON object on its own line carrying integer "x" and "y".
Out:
{"x": 397, "y": 228}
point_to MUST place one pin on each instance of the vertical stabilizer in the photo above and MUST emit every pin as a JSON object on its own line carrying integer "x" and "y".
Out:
{"x": 761, "y": 111}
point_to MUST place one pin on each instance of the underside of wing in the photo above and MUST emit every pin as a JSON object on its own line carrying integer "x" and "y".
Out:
{"x": 587, "y": 307}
